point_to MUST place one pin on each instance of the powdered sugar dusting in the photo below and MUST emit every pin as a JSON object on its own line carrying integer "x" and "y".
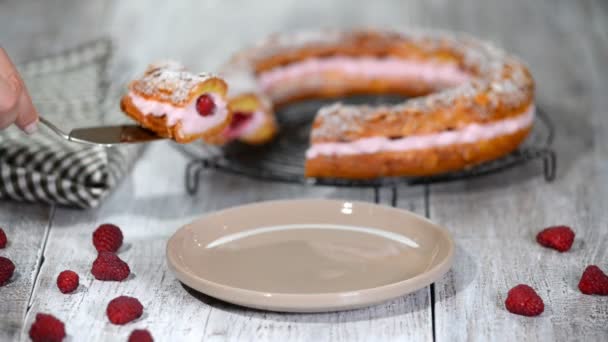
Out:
{"x": 168, "y": 82}
{"x": 498, "y": 80}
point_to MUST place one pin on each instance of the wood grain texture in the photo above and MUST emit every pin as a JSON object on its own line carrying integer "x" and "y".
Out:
{"x": 495, "y": 219}
{"x": 152, "y": 203}
{"x": 149, "y": 207}
{"x": 26, "y": 228}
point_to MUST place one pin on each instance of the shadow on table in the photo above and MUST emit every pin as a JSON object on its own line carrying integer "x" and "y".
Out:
{"x": 526, "y": 173}
{"x": 464, "y": 271}
{"x": 410, "y": 303}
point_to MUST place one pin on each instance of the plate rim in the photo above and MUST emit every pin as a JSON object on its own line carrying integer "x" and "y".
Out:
{"x": 343, "y": 300}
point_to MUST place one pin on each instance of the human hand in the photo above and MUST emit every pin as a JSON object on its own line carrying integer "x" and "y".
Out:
{"x": 15, "y": 103}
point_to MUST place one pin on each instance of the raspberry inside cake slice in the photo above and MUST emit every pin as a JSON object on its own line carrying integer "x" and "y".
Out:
{"x": 178, "y": 104}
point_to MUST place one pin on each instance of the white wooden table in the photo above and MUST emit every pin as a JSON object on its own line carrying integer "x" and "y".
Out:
{"x": 493, "y": 219}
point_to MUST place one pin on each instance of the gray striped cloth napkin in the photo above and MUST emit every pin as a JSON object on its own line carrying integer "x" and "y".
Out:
{"x": 72, "y": 90}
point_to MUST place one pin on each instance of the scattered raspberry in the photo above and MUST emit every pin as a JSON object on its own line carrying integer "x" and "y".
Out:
{"x": 3, "y": 239}
{"x": 124, "y": 309}
{"x": 108, "y": 266}
{"x": 558, "y": 237}
{"x": 523, "y": 300}
{"x": 6, "y": 270}
{"x": 205, "y": 105}
{"x": 140, "y": 335}
{"x": 107, "y": 238}
{"x": 67, "y": 281}
{"x": 47, "y": 328}
{"x": 594, "y": 281}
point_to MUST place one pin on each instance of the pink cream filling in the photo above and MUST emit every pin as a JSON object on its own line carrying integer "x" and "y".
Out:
{"x": 191, "y": 121}
{"x": 367, "y": 67}
{"x": 247, "y": 127}
{"x": 466, "y": 135}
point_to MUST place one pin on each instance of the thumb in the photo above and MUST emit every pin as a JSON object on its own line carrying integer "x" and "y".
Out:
{"x": 27, "y": 118}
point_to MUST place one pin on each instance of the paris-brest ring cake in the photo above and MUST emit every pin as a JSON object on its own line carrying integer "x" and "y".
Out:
{"x": 470, "y": 101}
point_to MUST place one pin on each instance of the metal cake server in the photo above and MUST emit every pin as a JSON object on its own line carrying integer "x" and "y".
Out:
{"x": 105, "y": 135}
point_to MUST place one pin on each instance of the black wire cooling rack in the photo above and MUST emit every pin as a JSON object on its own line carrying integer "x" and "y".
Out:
{"x": 283, "y": 159}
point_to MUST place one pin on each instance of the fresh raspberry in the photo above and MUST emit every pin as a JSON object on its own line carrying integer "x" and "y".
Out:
{"x": 594, "y": 281}
{"x": 67, "y": 281}
{"x": 205, "y": 105}
{"x": 140, "y": 335}
{"x": 107, "y": 238}
{"x": 3, "y": 239}
{"x": 557, "y": 237}
{"x": 523, "y": 300}
{"x": 122, "y": 310}
{"x": 108, "y": 266}
{"x": 239, "y": 119}
{"x": 47, "y": 328}
{"x": 6, "y": 270}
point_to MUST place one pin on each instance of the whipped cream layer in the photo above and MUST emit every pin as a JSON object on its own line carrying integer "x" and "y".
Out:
{"x": 191, "y": 121}
{"x": 247, "y": 128}
{"x": 469, "y": 134}
{"x": 433, "y": 72}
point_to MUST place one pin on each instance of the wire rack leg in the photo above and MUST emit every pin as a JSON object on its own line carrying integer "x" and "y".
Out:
{"x": 377, "y": 194}
{"x": 394, "y": 195}
{"x": 193, "y": 174}
{"x": 549, "y": 164}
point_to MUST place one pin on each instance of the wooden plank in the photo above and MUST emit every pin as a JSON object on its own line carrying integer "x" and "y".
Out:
{"x": 27, "y": 224}
{"x": 151, "y": 203}
{"x": 135, "y": 206}
{"x": 150, "y": 206}
{"x": 406, "y": 318}
{"x": 26, "y": 227}
{"x": 495, "y": 219}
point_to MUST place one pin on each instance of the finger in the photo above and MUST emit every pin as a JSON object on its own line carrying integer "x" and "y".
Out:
{"x": 10, "y": 89}
{"x": 6, "y": 66}
{"x": 9, "y": 94}
{"x": 9, "y": 100}
{"x": 27, "y": 116}
{"x": 24, "y": 114}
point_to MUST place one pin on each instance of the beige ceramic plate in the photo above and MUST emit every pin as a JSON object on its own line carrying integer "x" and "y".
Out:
{"x": 309, "y": 255}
